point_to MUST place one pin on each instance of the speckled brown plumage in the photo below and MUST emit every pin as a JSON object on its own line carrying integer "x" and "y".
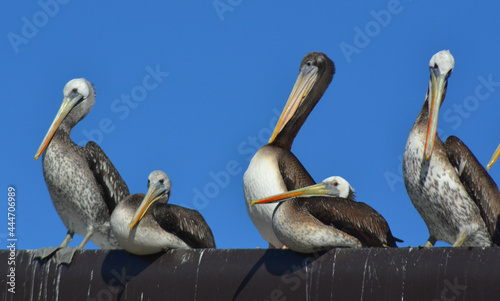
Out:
{"x": 432, "y": 182}
{"x": 478, "y": 183}
{"x": 82, "y": 182}
{"x": 437, "y": 192}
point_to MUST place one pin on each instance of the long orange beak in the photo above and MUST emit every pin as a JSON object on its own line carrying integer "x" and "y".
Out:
{"x": 309, "y": 191}
{"x": 68, "y": 103}
{"x": 437, "y": 85}
{"x": 155, "y": 192}
{"x": 306, "y": 79}
{"x": 493, "y": 158}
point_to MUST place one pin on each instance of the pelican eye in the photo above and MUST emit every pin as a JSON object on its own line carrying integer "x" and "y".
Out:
{"x": 161, "y": 181}
{"x": 335, "y": 184}
{"x": 75, "y": 90}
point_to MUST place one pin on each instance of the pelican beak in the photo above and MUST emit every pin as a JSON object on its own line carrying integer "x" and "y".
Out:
{"x": 493, "y": 158}
{"x": 305, "y": 81}
{"x": 155, "y": 192}
{"x": 436, "y": 94}
{"x": 69, "y": 103}
{"x": 309, "y": 191}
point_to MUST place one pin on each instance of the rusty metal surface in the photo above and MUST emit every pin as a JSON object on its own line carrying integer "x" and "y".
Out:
{"x": 232, "y": 274}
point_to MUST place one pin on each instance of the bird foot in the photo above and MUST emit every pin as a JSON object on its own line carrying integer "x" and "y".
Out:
{"x": 430, "y": 243}
{"x": 460, "y": 240}
{"x": 44, "y": 253}
{"x": 65, "y": 255}
{"x": 427, "y": 245}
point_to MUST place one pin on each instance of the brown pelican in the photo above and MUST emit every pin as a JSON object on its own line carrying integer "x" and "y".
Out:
{"x": 494, "y": 158}
{"x": 328, "y": 218}
{"x": 445, "y": 182}
{"x": 83, "y": 183}
{"x": 274, "y": 169}
{"x": 147, "y": 224}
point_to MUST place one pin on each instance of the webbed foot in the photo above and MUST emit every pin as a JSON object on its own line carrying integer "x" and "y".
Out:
{"x": 44, "y": 253}
{"x": 65, "y": 255}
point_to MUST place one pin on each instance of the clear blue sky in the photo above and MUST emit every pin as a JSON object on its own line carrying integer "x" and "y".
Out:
{"x": 224, "y": 70}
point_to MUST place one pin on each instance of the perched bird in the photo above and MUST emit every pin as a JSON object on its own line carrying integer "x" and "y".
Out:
{"x": 83, "y": 183}
{"x": 147, "y": 224}
{"x": 325, "y": 216}
{"x": 494, "y": 158}
{"x": 445, "y": 182}
{"x": 274, "y": 168}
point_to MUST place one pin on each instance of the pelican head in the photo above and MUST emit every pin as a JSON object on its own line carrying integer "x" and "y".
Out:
{"x": 315, "y": 74}
{"x": 441, "y": 66}
{"x": 158, "y": 186}
{"x": 332, "y": 186}
{"x": 79, "y": 98}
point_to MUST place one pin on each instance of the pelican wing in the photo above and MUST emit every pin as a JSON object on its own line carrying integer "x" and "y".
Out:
{"x": 354, "y": 218}
{"x": 478, "y": 183}
{"x": 112, "y": 186}
{"x": 189, "y": 225}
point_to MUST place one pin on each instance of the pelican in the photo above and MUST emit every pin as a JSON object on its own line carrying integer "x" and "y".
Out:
{"x": 494, "y": 158}
{"x": 274, "y": 168}
{"x": 147, "y": 224}
{"x": 445, "y": 182}
{"x": 82, "y": 182}
{"x": 325, "y": 216}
